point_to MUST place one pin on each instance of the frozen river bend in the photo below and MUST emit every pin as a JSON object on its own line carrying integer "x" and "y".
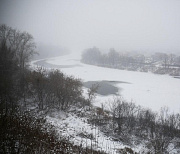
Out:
{"x": 145, "y": 89}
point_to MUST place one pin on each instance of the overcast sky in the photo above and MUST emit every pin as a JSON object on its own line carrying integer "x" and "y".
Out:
{"x": 79, "y": 24}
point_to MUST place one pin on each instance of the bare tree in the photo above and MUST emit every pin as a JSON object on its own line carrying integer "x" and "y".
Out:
{"x": 113, "y": 57}
{"x": 8, "y": 77}
{"x": 23, "y": 47}
{"x": 92, "y": 92}
{"x": 21, "y": 43}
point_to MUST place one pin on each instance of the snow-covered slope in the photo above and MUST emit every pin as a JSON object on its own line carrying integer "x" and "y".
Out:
{"x": 79, "y": 132}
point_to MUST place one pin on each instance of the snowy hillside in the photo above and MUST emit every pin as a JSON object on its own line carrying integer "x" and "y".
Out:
{"x": 79, "y": 132}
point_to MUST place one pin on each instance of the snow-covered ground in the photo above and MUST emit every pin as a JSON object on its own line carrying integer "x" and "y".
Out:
{"x": 145, "y": 89}
{"x": 78, "y": 131}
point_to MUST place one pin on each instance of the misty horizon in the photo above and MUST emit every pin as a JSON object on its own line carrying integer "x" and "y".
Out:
{"x": 149, "y": 26}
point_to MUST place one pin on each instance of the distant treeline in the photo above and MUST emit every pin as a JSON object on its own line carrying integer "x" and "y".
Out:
{"x": 160, "y": 63}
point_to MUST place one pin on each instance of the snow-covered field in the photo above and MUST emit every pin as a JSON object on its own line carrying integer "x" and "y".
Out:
{"x": 145, "y": 89}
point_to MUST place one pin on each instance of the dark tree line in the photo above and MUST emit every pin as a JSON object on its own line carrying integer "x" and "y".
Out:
{"x": 8, "y": 72}
{"x": 160, "y": 63}
{"x": 16, "y": 49}
{"x": 20, "y": 131}
{"x": 54, "y": 89}
{"x": 112, "y": 59}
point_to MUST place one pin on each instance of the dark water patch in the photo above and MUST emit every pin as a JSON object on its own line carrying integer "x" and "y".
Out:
{"x": 177, "y": 77}
{"x": 43, "y": 63}
{"x": 105, "y": 87}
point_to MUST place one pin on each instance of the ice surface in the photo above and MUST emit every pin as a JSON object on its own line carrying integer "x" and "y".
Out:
{"x": 145, "y": 89}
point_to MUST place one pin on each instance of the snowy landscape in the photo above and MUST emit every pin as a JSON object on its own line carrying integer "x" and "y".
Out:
{"x": 90, "y": 77}
{"x": 146, "y": 89}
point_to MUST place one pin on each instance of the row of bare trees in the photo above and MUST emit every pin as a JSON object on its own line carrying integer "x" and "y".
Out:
{"x": 160, "y": 131}
{"x": 112, "y": 59}
{"x": 53, "y": 89}
{"x": 16, "y": 49}
{"x": 160, "y": 63}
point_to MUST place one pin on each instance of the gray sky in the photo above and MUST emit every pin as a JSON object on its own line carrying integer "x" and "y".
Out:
{"x": 152, "y": 25}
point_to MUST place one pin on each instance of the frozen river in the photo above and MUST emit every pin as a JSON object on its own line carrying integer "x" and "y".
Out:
{"x": 145, "y": 89}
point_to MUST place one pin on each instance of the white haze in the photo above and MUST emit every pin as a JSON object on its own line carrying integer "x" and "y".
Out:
{"x": 128, "y": 25}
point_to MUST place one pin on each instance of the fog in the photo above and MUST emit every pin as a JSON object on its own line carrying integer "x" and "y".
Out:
{"x": 126, "y": 25}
